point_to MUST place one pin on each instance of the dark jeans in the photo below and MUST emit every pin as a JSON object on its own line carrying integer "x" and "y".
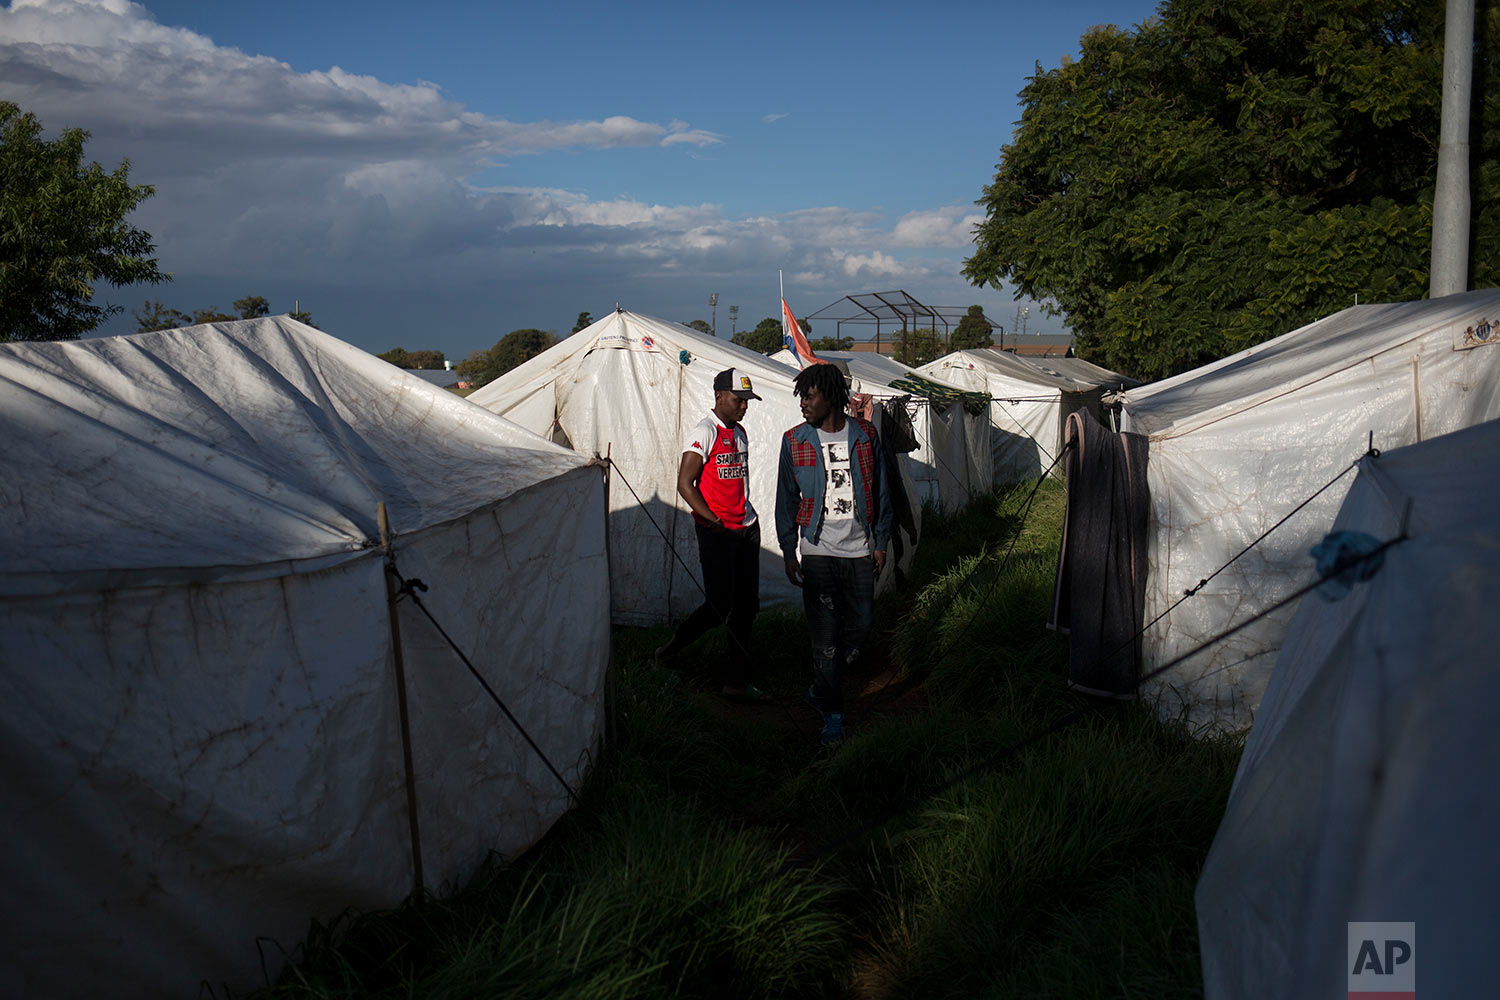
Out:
{"x": 730, "y": 561}
{"x": 839, "y": 597}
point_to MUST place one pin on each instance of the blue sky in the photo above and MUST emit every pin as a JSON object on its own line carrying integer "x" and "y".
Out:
{"x": 434, "y": 176}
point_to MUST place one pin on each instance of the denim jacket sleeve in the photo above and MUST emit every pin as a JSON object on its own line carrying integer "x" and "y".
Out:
{"x": 787, "y": 496}
{"x": 884, "y": 514}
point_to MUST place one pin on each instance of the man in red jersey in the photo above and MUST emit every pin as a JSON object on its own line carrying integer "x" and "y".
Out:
{"x": 714, "y": 478}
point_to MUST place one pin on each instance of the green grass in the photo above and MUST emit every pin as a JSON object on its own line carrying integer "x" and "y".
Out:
{"x": 991, "y": 881}
{"x": 1001, "y": 864}
{"x": 646, "y": 897}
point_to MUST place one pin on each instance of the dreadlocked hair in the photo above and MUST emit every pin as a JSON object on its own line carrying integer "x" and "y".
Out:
{"x": 826, "y": 379}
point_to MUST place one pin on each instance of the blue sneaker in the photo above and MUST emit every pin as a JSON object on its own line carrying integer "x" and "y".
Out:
{"x": 833, "y": 728}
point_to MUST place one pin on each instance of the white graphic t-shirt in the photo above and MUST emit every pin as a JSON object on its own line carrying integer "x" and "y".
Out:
{"x": 842, "y": 535}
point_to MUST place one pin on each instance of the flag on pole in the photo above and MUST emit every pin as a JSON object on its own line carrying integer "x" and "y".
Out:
{"x": 791, "y": 335}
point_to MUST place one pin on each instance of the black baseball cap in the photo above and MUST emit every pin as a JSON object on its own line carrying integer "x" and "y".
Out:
{"x": 735, "y": 381}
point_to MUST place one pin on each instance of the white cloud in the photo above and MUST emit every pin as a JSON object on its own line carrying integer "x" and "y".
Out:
{"x": 680, "y": 131}
{"x": 768, "y": 119}
{"x": 696, "y": 136}
{"x": 950, "y": 226}
{"x": 110, "y": 62}
{"x": 874, "y": 265}
{"x": 267, "y": 173}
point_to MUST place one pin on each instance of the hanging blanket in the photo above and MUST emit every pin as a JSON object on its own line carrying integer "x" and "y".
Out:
{"x": 1101, "y": 564}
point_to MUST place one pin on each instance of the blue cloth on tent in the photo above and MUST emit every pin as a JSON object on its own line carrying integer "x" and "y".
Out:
{"x": 1341, "y": 560}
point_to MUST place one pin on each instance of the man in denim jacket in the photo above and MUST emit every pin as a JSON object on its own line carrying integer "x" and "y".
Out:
{"x": 834, "y": 512}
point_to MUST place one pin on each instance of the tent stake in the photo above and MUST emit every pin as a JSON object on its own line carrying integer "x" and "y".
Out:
{"x": 411, "y": 782}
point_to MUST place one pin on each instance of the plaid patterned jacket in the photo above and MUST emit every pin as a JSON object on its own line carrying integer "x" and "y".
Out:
{"x": 801, "y": 483}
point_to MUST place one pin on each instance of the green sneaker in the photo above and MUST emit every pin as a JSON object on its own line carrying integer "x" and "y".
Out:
{"x": 749, "y": 694}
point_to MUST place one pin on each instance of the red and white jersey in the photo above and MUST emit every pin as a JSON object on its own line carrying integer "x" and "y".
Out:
{"x": 725, "y": 480}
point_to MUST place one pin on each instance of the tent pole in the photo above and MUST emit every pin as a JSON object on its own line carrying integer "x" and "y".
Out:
{"x": 609, "y": 683}
{"x": 411, "y": 782}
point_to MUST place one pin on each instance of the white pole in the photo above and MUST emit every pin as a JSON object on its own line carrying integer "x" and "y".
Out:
{"x": 785, "y": 333}
{"x": 1450, "y": 203}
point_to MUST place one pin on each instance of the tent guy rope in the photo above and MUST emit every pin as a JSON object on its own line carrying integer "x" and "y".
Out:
{"x": 778, "y": 702}
{"x": 409, "y": 589}
{"x": 1373, "y": 452}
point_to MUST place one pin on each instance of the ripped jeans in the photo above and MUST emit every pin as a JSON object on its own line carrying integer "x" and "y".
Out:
{"x": 839, "y": 598}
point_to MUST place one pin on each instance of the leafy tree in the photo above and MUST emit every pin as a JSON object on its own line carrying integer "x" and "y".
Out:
{"x": 1233, "y": 169}
{"x": 212, "y": 315}
{"x": 303, "y": 317}
{"x": 972, "y": 332}
{"x": 252, "y": 307}
{"x": 700, "y": 325}
{"x": 475, "y": 369}
{"x": 917, "y": 347}
{"x": 521, "y": 345}
{"x": 483, "y": 367}
{"x": 402, "y": 358}
{"x": 154, "y": 315}
{"x": 63, "y": 228}
{"x": 765, "y": 338}
{"x": 829, "y": 343}
{"x": 584, "y": 320}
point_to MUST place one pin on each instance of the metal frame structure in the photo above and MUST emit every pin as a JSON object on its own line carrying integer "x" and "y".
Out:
{"x": 867, "y": 308}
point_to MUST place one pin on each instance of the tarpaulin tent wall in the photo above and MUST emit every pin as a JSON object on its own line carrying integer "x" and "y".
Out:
{"x": 1236, "y": 446}
{"x": 200, "y": 734}
{"x": 1366, "y": 788}
{"x": 951, "y": 465}
{"x": 629, "y": 387}
{"x": 1027, "y": 408}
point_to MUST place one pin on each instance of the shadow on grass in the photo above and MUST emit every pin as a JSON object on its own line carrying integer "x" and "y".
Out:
{"x": 1064, "y": 869}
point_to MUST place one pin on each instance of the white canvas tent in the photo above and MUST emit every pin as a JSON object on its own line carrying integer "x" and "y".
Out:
{"x": 629, "y": 387}
{"x": 951, "y": 465}
{"x": 1238, "y": 445}
{"x": 1366, "y": 788}
{"x": 1027, "y": 408}
{"x": 201, "y": 736}
{"x": 1079, "y": 370}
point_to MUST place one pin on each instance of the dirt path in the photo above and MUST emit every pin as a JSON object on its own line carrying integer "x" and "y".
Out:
{"x": 876, "y": 692}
